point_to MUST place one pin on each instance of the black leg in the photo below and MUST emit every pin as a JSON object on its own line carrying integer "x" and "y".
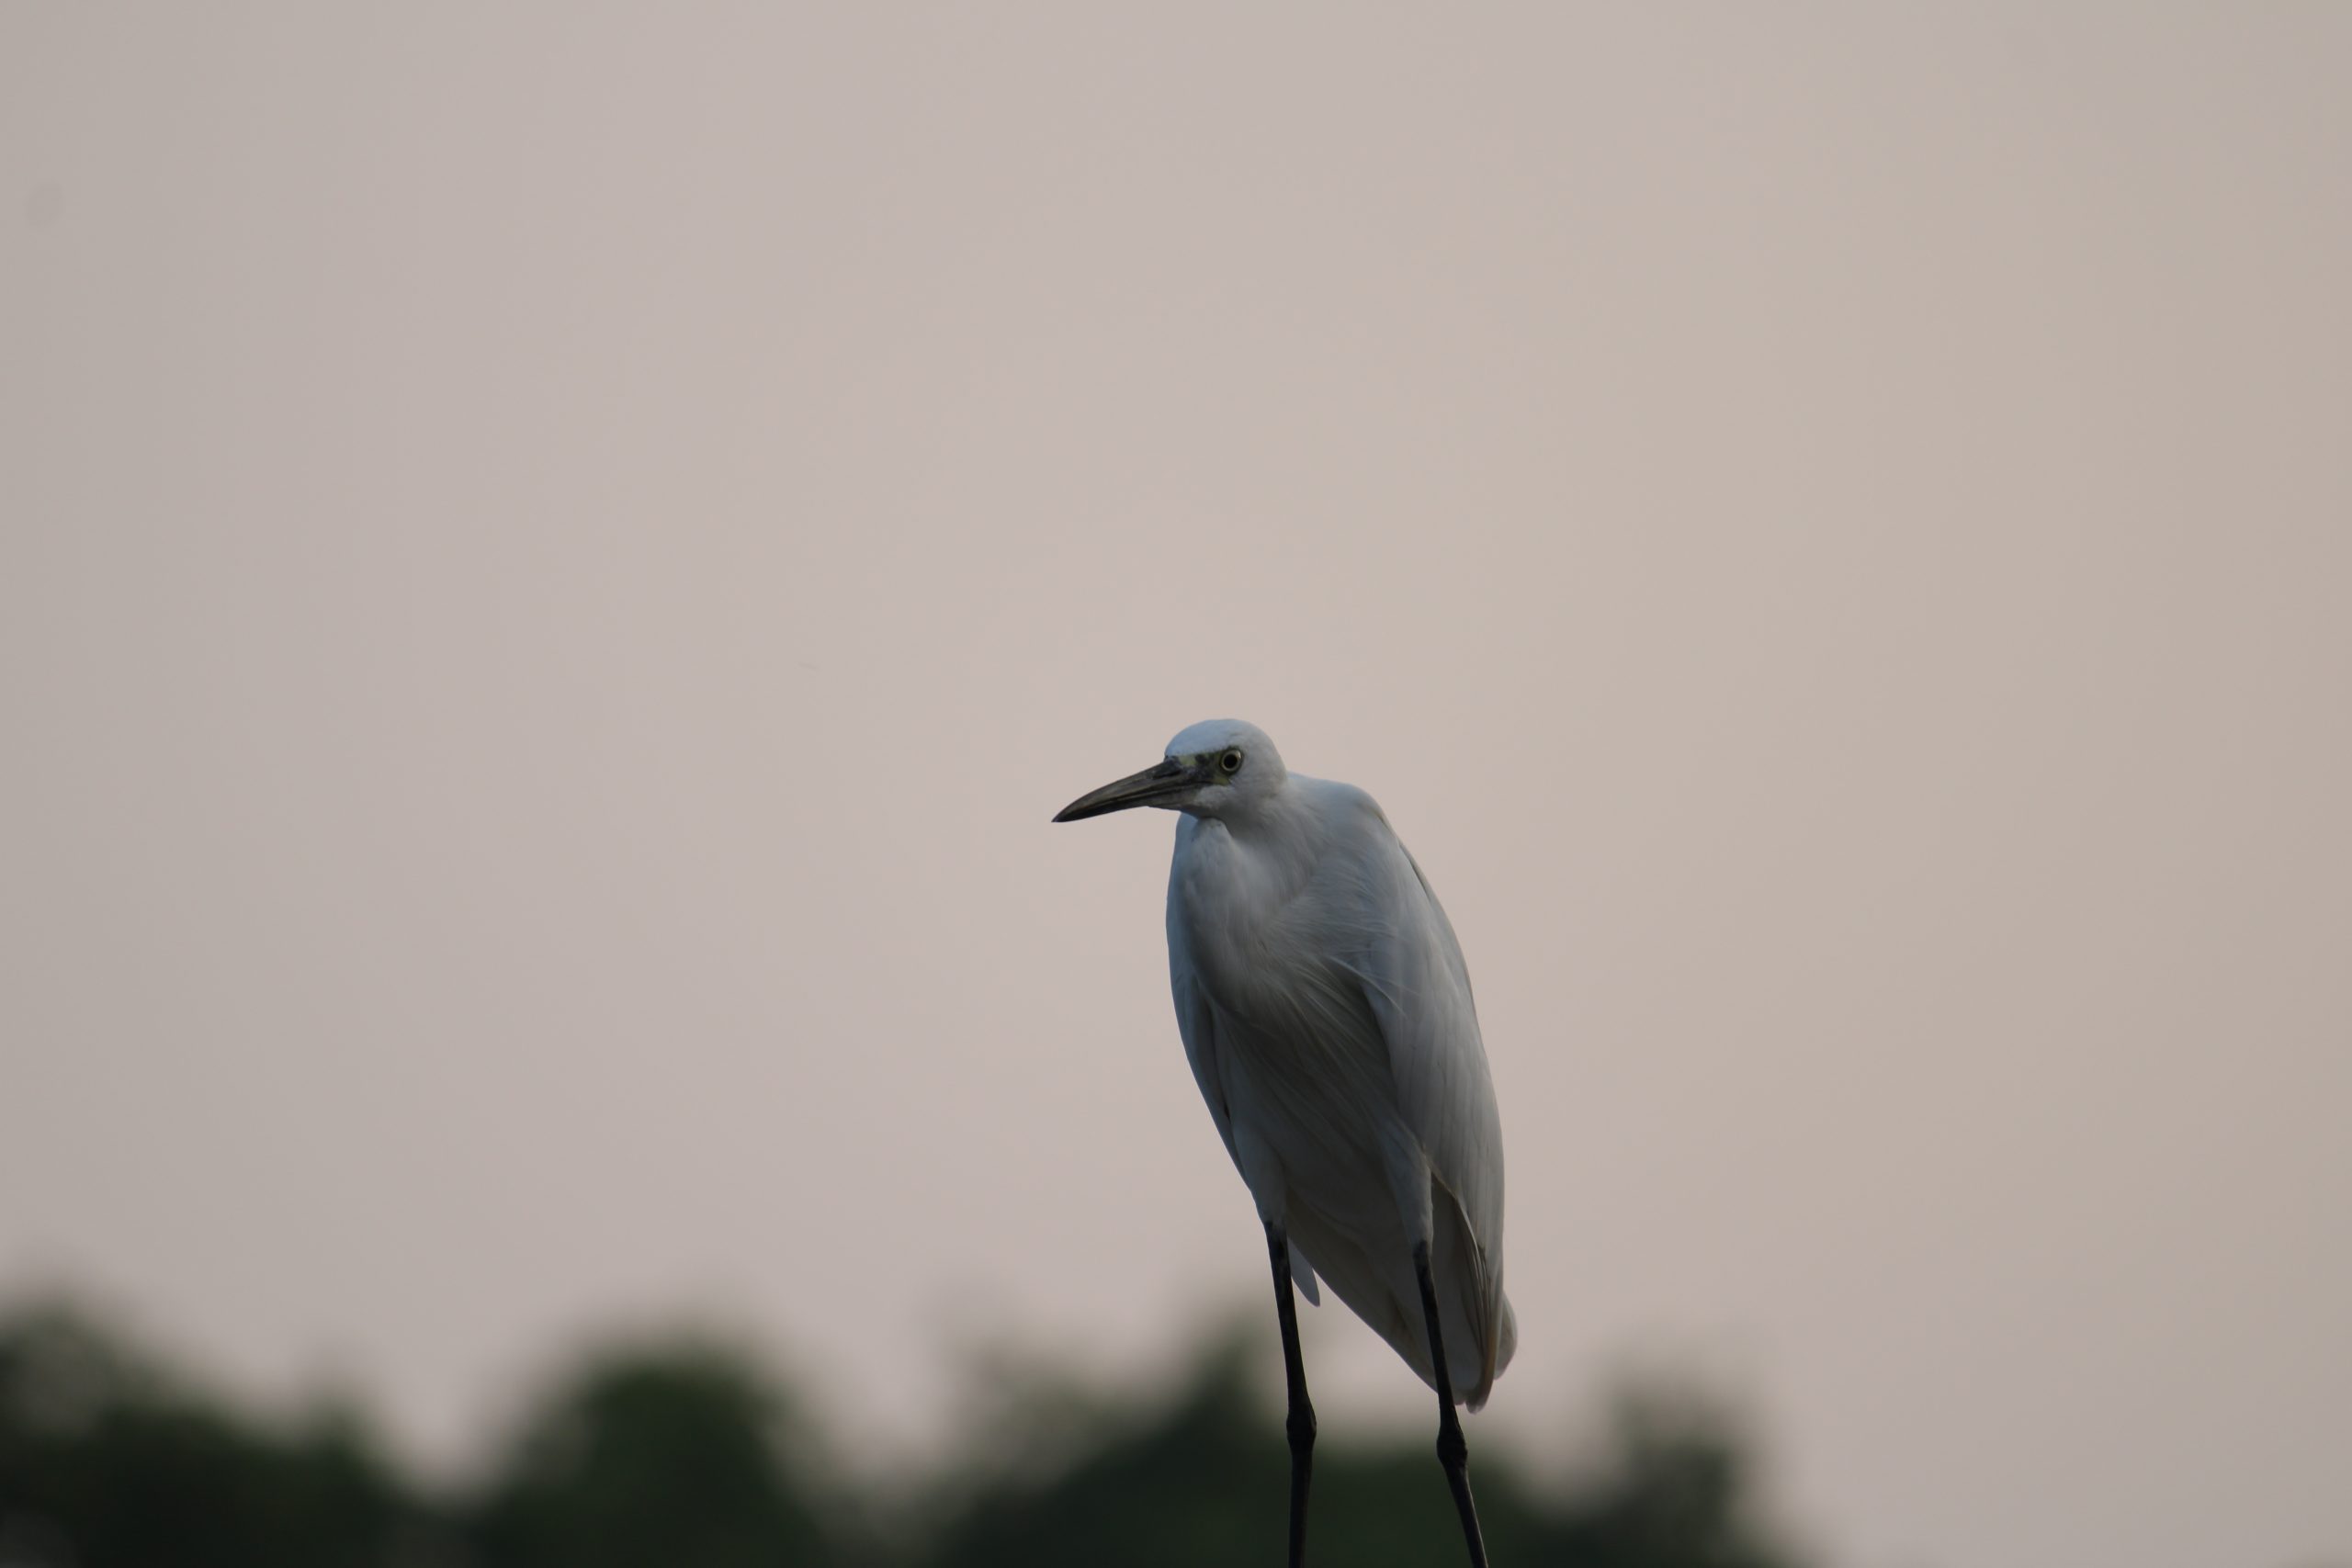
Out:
{"x": 1452, "y": 1452}
{"x": 1301, "y": 1422}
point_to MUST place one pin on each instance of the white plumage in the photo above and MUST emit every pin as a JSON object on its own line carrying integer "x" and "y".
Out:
{"x": 1327, "y": 1015}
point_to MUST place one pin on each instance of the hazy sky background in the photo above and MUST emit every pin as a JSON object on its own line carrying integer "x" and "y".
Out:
{"x": 555, "y": 561}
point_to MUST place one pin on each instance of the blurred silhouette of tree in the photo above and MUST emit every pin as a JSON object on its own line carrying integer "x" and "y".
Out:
{"x": 684, "y": 1454}
{"x": 1183, "y": 1483}
{"x": 1203, "y": 1479}
{"x": 105, "y": 1462}
{"x": 678, "y": 1455}
{"x": 1677, "y": 1487}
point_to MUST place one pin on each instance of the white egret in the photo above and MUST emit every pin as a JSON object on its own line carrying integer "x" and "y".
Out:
{"x": 1327, "y": 1011}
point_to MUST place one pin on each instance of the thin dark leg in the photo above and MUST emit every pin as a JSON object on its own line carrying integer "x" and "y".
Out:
{"x": 1452, "y": 1452}
{"x": 1301, "y": 1422}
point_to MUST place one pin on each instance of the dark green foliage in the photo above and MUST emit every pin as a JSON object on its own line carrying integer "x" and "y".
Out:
{"x": 1199, "y": 1481}
{"x": 1205, "y": 1480}
{"x": 657, "y": 1456}
{"x": 106, "y": 1463}
{"x": 1678, "y": 1491}
{"x": 683, "y": 1455}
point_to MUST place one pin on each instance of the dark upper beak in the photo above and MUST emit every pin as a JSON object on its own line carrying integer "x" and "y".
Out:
{"x": 1153, "y": 787}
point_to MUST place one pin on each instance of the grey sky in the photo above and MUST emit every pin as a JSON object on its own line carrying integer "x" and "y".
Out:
{"x": 555, "y": 561}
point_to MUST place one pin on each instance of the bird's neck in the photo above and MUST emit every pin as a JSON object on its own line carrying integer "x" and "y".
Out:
{"x": 1268, "y": 847}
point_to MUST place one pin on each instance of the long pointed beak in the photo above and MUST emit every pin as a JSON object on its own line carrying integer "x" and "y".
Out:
{"x": 1153, "y": 787}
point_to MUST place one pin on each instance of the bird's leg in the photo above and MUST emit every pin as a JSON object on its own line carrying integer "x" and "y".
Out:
{"x": 1452, "y": 1452}
{"x": 1300, "y": 1424}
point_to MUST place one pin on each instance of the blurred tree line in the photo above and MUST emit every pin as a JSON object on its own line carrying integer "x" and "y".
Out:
{"x": 689, "y": 1454}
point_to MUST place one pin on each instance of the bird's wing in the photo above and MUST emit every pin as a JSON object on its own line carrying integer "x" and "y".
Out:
{"x": 1418, "y": 986}
{"x": 1196, "y": 1021}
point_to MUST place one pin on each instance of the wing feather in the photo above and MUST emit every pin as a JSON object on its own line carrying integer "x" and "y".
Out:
{"x": 1417, "y": 987}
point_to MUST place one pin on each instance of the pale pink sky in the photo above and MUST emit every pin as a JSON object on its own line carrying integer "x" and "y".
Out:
{"x": 555, "y": 561}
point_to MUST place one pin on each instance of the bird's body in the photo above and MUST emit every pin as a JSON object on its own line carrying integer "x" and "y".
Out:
{"x": 1326, "y": 1012}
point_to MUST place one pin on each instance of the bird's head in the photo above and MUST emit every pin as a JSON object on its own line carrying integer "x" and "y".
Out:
{"x": 1219, "y": 768}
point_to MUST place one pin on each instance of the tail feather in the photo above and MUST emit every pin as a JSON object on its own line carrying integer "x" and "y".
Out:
{"x": 1476, "y": 1317}
{"x": 1302, "y": 1274}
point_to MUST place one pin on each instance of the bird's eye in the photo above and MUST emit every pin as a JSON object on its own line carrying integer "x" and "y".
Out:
{"x": 1230, "y": 762}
